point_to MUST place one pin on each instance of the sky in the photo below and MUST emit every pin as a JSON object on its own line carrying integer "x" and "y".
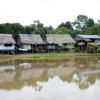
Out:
{"x": 49, "y": 12}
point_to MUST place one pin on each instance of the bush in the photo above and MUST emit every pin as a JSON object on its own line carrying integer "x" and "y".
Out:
{"x": 94, "y": 49}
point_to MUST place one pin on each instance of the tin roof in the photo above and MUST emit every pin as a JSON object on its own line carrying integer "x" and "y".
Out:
{"x": 89, "y": 36}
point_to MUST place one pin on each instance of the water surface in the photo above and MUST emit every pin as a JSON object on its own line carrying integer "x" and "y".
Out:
{"x": 70, "y": 79}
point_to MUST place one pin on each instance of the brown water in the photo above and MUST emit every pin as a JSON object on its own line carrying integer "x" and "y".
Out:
{"x": 70, "y": 79}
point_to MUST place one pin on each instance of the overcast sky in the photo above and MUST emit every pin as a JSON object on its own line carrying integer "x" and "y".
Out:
{"x": 49, "y": 12}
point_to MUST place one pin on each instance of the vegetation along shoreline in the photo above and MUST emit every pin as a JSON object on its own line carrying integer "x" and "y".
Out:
{"x": 48, "y": 56}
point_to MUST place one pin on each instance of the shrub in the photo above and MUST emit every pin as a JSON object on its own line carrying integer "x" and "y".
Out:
{"x": 94, "y": 49}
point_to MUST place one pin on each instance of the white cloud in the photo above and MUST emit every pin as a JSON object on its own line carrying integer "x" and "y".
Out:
{"x": 50, "y": 12}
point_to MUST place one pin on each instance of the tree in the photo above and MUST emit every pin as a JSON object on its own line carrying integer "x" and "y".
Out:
{"x": 16, "y": 28}
{"x": 11, "y": 28}
{"x": 38, "y": 27}
{"x": 61, "y": 25}
{"x": 90, "y": 22}
{"x": 28, "y": 29}
{"x": 67, "y": 25}
{"x": 62, "y": 30}
{"x": 49, "y": 30}
{"x": 96, "y": 29}
{"x": 81, "y": 22}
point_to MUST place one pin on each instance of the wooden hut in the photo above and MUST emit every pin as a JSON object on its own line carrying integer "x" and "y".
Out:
{"x": 59, "y": 41}
{"x": 7, "y": 43}
{"x": 29, "y": 42}
{"x": 83, "y": 41}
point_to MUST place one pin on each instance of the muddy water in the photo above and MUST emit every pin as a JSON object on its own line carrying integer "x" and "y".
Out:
{"x": 70, "y": 79}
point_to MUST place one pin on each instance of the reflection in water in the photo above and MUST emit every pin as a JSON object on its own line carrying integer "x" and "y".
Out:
{"x": 53, "y": 89}
{"x": 50, "y": 80}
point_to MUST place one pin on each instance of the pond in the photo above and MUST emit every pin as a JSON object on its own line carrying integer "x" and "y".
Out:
{"x": 70, "y": 79}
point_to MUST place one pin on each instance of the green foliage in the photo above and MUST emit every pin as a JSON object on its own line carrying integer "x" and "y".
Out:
{"x": 96, "y": 29}
{"x": 28, "y": 29}
{"x": 90, "y": 22}
{"x": 61, "y": 25}
{"x": 49, "y": 30}
{"x": 65, "y": 28}
{"x": 11, "y": 28}
{"x": 80, "y": 22}
{"x": 67, "y": 25}
{"x": 62, "y": 30}
{"x": 94, "y": 49}
{"x": 82, "y": 25}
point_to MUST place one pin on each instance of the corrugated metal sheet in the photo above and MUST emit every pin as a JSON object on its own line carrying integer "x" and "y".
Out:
{"x": 89, "y": 36}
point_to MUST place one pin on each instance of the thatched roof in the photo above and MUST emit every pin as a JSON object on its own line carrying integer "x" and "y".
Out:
{"x": 59, "y": 39}
{"x": 31, "y": 39}
{"x": 6, "y": 38}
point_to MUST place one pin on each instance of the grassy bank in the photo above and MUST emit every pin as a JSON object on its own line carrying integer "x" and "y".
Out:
{"x": 54, "y": 56}
{"x": 48, "y": 56}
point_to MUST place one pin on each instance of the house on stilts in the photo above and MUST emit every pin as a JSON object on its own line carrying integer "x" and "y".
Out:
{"x": 59, "y": 42}
{"x": 84, "y": 41}
{"x": 7, "y": 43}
{"x": 30, "y": 42}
